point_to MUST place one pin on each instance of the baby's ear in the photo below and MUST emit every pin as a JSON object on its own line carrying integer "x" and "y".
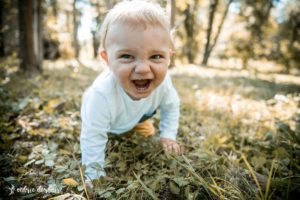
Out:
{"x": 103, "y": 55}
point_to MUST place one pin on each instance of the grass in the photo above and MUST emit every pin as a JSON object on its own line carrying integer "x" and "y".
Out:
{"x": 240, "y": 130}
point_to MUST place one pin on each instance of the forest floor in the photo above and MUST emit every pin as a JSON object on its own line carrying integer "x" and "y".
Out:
{"x": 241, "y": 132}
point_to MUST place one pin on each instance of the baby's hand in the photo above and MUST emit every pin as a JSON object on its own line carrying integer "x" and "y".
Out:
{"x": 171, "y": 146}
{"x": 89, "y": 186}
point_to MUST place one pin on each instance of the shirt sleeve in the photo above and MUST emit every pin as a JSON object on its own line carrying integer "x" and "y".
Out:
{"x": 169, "y": 111}
{"x": 95, "y": 116}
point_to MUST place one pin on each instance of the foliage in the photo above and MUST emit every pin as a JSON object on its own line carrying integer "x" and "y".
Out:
{"x": 289, "y": 46}
{"x": 267, "y": 35}
{"x": 241, "y": 136}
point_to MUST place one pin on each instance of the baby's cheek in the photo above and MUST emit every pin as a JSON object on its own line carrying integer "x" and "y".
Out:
{"x": 122, "y": 73}
{"x": 162, "y": 72}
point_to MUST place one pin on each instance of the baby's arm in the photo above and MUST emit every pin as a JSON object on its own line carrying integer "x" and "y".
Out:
{"x": 169, "y": 119}
{"x": 95, "y": 124}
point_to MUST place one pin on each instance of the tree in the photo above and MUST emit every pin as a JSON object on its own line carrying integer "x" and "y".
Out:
{"x": 30, "y": 25}
{"x": 100, "y": 8}
{"x": 171, "y": 6}
{"x": 289, "y": 34}
{"x": 258, "y": 18}
{"x": 210, "y": 46}
{"x": 212, "y": 10}
{"x": 54, "y": 8}
{"x": 256, "y": 15}
{"x": 98, "y": 18}
{"x": 1, "y": 31}
{"x": 75, "y": 30}
{"x": 9, "y": 27}
{"x": 190, "y": 13}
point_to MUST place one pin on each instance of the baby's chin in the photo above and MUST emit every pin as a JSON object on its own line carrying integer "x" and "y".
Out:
{"x": 138, "y": 96}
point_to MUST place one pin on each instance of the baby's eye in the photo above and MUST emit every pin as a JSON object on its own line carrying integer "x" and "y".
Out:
{"x": 126, "y": 56}
{"x": 156, "y": 57}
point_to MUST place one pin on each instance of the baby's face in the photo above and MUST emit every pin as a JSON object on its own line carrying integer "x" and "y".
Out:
{"x": 138, "y": 56}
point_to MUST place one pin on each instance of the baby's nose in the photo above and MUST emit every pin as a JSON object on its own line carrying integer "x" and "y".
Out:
{"x": 142, "y": 67}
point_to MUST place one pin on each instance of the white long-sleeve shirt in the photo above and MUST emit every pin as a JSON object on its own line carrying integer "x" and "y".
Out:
{"x": 106, "y": 108}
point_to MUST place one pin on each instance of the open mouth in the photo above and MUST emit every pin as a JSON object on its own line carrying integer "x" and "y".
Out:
{"x": 142, "y": 85}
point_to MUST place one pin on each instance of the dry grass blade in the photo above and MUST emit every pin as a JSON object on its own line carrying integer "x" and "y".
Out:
{"x": 68, "y": 196}
{"x": 190, "y": 168}
{"x": 221, "y": 196}
{"x": 84, "y": 187}
{"x": 148, "y": 190}
{"x": 253, "y": 176}
{"x": 236, "y": 190}
{"x": 80, "y": 170}
{"x": 269, "y": 181}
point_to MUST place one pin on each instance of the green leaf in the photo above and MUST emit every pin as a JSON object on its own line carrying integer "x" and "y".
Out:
{"x": 122, "y": 166}
{"x": 38, "y": 162}
{"x": 11, "y": 178}
{"x": 258, "y": 161}
{"x": 132, "y": 185}
{"x": 49, "y": 163}
{"x": 174, "y": 188}
{"x": 180, "y": 181}
{"x": 106, "y": 195}
{"x": 280, "y": 153}
{"x": 121, "y": 190}
{"x": 80, "y": 187}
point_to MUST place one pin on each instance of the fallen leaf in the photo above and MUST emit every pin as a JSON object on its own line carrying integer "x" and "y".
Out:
{"x": 70, "y": 182}
{"x": 22, "y": 158}
{"x": 258, "y": 161}
{"x": 174, "y": 188}
{"x": 51, "y": 105}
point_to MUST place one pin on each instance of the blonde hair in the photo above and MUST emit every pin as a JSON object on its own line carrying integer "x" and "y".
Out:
{"x": 139, "y": 11}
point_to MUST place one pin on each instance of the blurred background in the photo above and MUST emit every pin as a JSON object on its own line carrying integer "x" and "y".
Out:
{"x": 236, "y": 70}
{"x": 260, "y": 35}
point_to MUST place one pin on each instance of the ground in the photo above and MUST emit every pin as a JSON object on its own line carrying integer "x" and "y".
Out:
{"x": 240, "y": 130}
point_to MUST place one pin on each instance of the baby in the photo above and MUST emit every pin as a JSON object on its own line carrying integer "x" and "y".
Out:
{"x": 136, "y": 46}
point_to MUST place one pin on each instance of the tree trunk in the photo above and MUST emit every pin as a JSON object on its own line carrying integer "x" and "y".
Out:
{"x": 98, "y": 20}
{"x": 212, "y": 10}
{"x": 75, "y": 30}
{"x": 2, "y": 53}
{"x": 264, "y": 17}
{"x": 212, "y": 46}
{"x": 293, "y": 39}
{"x": 109, "y": 4}
{"x": 95, "y": 44}
{"x": 38, "y": 24}
{"x": 172, "y": 10}
{"x": 189, "y": 24}
{"x": 54, "y": 6}
{"x": 30, "y": 24}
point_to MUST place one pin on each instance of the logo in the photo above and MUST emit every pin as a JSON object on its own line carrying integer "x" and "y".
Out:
{"x": 28, "y": 190}
{"x": 12, "y": 190}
